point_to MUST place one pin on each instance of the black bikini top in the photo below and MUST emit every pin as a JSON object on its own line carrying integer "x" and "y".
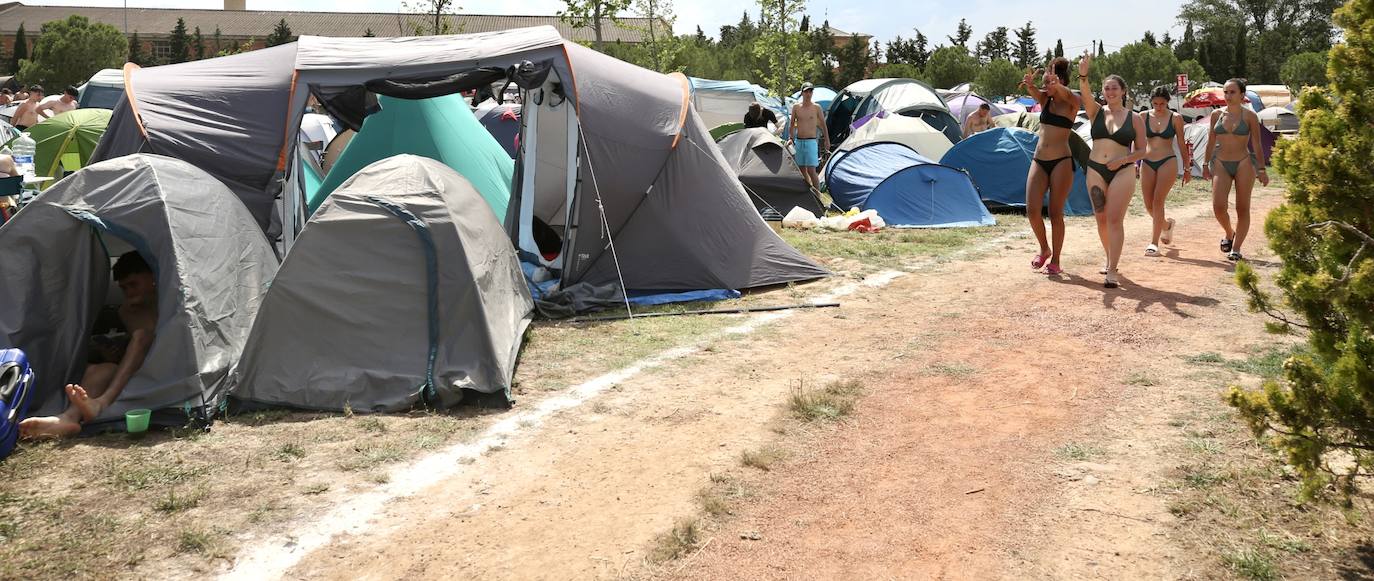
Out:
{"x": 1168, "y": 132}
{"x": 1049, "y": 117}
{"x": 1125, "y": 135}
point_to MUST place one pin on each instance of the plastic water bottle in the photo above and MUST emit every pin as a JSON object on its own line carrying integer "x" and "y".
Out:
{"x": 24, "y": 148}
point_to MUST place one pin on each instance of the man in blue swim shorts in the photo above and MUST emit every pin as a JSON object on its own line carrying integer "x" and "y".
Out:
{"x": 810, "y": 137}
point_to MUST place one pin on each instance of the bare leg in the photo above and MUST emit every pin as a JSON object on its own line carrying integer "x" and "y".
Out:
{"x": 65, "y": 425}
{"x": 1221, "y": 194}
{"x": 1148, "y": 177}
{"x": 1097, "y": 193}
{"x": 1163, "y": 184}
{"x": 809, "y": 173}
{"x": 83, "y": 405}
{"x": 1119, "y": 196}
{"x": 1036, "y": 184}
{"x": 1060, "y": 184}
{"x": 1245, "y": 185}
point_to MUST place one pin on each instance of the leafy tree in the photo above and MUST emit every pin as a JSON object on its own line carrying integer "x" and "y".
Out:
{"x": 1143, "y": 66}
{"x": 854, "y": 61}
{"x": 237, "y": 48}
{"x": 781, "y": 46}
{"x": 1025, "y": 50}
{"x": 437, "y": 16}
{"x": 897, "y": 71}
{"x": 998, "y": 78}
{"x": 280, "y": 35}
{"x": 199, "y": 42}
{"x": 1307, "y": 69}
{"x": 1166, "y": 40}
{"x": 179, "y": 43}
{"x": 1149, "y": 39}
{"x": 1196, "y": 74}
{"x": 995, "y": 46}
{"x": 1323, "y": 406}
{"x": 21, "y": 49}
{"x": 1272, "y": 30}
{"x": 1059, "y": 48}
{"x": 962, "y": 35}
{"x": 657, "y": 41}
{"x": 70, "y": 51}
{"x": 594, "y": 13}
{"x": 136, "y": 55}
{"x": 950, "y": 66}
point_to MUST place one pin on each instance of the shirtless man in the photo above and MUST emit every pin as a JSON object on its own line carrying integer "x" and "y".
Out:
{"x": 103, "y": 382}
{"x": 980, "y": 120}
{"x": 807, "y": 121}
{"x": 27, "y": 114}
{"x": 5, "y": 97}
{"x": 64, "y": 104}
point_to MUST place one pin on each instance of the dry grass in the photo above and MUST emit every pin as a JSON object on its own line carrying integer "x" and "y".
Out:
{"x": 834, "y": 401}
{"x": 677, "y": 542}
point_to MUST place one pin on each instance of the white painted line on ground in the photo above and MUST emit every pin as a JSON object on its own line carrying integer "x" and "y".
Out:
{"x": 273, "y": 557}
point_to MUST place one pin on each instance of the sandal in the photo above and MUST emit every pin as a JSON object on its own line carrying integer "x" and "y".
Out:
{"x": 1111, "y": 280}
{"x": 1234, "y": 256}
{"x": 1152, "y": 250}
{"x": 1226, "y": 245}
{"x": 1039, "y": 261}
{"x": 1167, "y": 236}
{"x": 1103, "y": 270}
{"x": 1053, "y": 269}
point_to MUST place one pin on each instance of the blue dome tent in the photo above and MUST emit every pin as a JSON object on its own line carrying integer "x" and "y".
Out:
{"x": 999, "y": 160}
{"x": 929, "y": 195}
{"x": 852, "y": 175}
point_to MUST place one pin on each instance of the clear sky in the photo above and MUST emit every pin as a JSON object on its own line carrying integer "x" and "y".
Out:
{"x": 1077, "y": 23}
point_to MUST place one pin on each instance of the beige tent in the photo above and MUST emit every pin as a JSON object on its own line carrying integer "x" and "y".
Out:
{"x": 909, "y": 131}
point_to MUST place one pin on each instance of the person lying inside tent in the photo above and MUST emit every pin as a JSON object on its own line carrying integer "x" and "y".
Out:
{"x": 112, "y": 363}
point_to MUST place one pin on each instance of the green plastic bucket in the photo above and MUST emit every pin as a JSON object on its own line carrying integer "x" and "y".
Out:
{"x": 136, "y": 421}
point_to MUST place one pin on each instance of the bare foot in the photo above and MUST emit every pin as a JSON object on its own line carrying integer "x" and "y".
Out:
{"x": 48, "y": 427}
{"x": 77, "y": 397}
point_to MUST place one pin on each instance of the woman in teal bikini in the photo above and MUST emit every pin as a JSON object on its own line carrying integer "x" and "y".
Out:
{"x": 1234, "y": 158}
{"x": 1163, "y": 129}
{"x": 1118, "y": 141}
{"x": 1053, "y": 162}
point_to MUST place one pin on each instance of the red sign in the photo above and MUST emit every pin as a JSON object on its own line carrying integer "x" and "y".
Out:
{"x": 1182, "y": 84}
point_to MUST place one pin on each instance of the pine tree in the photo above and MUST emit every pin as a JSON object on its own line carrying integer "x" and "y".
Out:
{"x": 179, "y": 43}
{"x": 1059, "y": 48}
{"x": 1187, "y": 48}
{"x": 199, "y": 42}
{"x": 1026, "y": 51}
{"x": 995, "y": 46}
{"x": 1241, "y": 42}
{"x": 136, "y": 55}
{"x": 1320, "y": 413}
{"x": 1101, "y": 49}
{"x": 218, "y": 38}
{"x": 701, "y": 36}
{"x": 962, "y": 35}
{"x": 920, "y": 50}
{"x": 21, "y": 49}
{"x": 1149, "y": 39}
{"x": 280, "y": 35}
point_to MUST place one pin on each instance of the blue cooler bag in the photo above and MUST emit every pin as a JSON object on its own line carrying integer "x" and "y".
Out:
{"x": 16, "y": 381}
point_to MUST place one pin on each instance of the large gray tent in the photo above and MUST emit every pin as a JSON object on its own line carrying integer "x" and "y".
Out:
{"x": 613, "y": 156}
{"x": 768, "y": 172}
{"x": 402, "y": 288}
{"x": 212, "y": 262}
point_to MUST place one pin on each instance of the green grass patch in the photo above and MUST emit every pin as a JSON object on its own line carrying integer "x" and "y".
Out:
{"x": 1201, "y": 477}
{"x": 889, "y": 248}
{"x": 1251, "y": 563}
{"x": 174, "y": 502}
{"x": 194, "y": 540}
{"x": 288, "y": 451}
{"x": 1208, "y": 358}
{"x": 833, "y": 402}
{"x": 1077, "y": 452}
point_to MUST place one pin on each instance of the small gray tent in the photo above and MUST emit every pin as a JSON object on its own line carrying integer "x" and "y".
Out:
{"x": 212, "y": 262}
{"x": 402, "y": 288}
{"x": 768, "y": 173}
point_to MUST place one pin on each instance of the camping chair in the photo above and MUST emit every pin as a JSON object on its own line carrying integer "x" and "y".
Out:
{"x": 11, "y": 185}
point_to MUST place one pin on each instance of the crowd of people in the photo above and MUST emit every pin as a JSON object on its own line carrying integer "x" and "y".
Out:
{"x": 1121, "y": 138}
{"x": 32, "y": 107}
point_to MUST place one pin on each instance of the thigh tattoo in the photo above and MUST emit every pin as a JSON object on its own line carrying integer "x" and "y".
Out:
{"x": 1099, "y": 199}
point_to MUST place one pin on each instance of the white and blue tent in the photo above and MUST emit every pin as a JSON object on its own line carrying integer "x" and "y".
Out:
{"x": 851, "y": 175}
{"x": 905, "y": 188}
{"x": 722, "y": 102}
{"x": 999, "y": 160}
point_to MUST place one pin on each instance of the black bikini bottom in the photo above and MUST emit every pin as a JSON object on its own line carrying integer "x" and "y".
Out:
{"x": 1048, "y": 165}
{"x": 1101, "y": 169}
{"x": 1155, "y": 165}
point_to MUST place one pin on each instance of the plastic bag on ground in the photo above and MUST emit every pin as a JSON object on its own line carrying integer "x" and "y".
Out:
{"x": 800, "y": 218}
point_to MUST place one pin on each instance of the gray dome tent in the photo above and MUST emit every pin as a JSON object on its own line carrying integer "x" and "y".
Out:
{"x": 212, "y": 262}
{"x": 768, "y": 172}
{"x": 402, "y": 287}
{"x": 651, "y": 184}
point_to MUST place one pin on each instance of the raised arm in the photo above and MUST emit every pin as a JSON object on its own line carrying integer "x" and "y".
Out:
{"x": 1085, "y": 88}
{"x": 1028, "y": 81}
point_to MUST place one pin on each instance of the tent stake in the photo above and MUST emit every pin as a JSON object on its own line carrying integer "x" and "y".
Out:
{"x": 738, "y": 311}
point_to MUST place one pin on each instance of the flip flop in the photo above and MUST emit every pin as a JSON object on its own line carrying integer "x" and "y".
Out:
{"x": 1152, "y": 250}
{"x": 1111, "y": 281}
{"x": 1053, "y": 269}
{"x": 1234, "y": 256}
{"x": 1226, "y": 245}
{"x": 1039, "y": 261}
{"x": 1167, "y": 236}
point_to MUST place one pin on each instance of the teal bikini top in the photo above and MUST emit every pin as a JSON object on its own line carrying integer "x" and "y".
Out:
{"x": 1242, "y": 129}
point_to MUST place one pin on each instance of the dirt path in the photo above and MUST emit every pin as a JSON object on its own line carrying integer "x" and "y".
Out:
{"x": 977, "y": 371}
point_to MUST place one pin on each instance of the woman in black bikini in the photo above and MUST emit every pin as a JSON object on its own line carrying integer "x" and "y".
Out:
{"x": 1053, "y": 167}
{"x": 1110, "y": 185}
{"x": 1233, "y": 158}
{"x": 1161, "y": 165}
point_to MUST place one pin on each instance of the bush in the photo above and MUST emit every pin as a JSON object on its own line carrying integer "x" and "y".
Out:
{"x": 1323, "y": 406}
{"x": 69, "y": 51}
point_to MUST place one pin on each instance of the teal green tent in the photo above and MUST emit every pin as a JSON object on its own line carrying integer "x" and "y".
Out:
{"x": 442, "y": 129}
